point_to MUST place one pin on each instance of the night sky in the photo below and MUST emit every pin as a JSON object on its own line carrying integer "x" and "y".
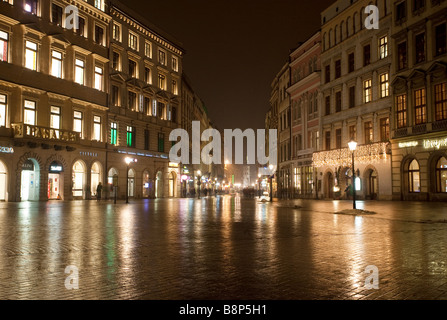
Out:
{"x": 234, "y": 48}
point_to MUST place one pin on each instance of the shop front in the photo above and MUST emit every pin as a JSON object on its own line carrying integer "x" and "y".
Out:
{"x": 29, "y": 183}
{"x": 55, "y": 181}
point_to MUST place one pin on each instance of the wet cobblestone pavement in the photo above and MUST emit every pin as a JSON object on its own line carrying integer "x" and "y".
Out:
{"x": 222, "y": 248}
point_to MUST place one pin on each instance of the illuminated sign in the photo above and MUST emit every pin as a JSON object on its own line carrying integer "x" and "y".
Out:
{"x": 6, "y": 150}
{"x": 28, "y": 165}
{"x": 408, "y": 144}
{"x": 173, "y": 165}
{"x": 435, "y": 144}
{"x": 55, "y": 167}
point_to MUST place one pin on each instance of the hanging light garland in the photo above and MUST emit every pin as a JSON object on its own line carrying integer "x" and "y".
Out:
{"x": 342, "y": 157}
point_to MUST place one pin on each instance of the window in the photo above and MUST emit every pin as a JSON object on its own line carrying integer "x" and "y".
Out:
{"x": 56, "y": 64}
{"x": 401, "y": 12}
{"x": 418, "y": 5}
{"x": 147, "y": 106}
{"x": 161, "y": 110}
{"x": 132, "y": 100}
{"x": 175, "y": 64}
{"x": 4, "y": 41}
{"x": 401, "y": 103}
{"x": 132, "y": 68}
{"x": 441, "y": 175}
{"x": 147, "y": 75}
{"x": 98, "y": 78}
{"x": 77, "y": 121}
{"x": 338, "y": 138}
{"x": 31, "y": 55}
{"x": 414, "y": 180}
{"x": 352, "y": 97}
{"x": 440, "y": 39}
{"x": 31, "y": 6}
{"x": 420, "y": 47}
{"x": 327, "y": 73}
{"x": 384, "y": 85}
{"x": 116, "y": 65}
{"x": 162, "y": 81}
{"x": 353, "y": 132}
{"x": 161, "y": 142}
{"x": 79, "y": 71}
{"x": 55, "y": 119}
{"x": 113, "y": 133}
{"x": 328, "y": 106}
{"x": 130, "y": 137}
{"x": 154, "y": 108}
{"x": 420, "y": 106}
{"x": 338, "y": 101}
{"x": 99, "y": 35}
{"x": 402, "y": 55}
{"x": 162, "y": 57}
{"x": 115, "y": 96}
{"x": 368, "y": 132}
{"x": 56, "y": 15}
{"x": 174, "y": 87}
{"x": 383, "y": 47}
{"x": 337, "y": 69}
{"x": 351, "y": 62}
{"x": 96, "y": 136}
{"x": 133, "y": 41}
{"x": 3, "y": 104}
{"x": 146, "y": 139}
{"x": 148, "y": 49}
{"x": 328, "y": 140}
{"x": 385, "y": 129}
{"x": 99, "y": 4}
{"x": 367, "y": 91}
{"x": 440, "y": 102}
{"x": 29, "y": 116}
{"x": 366, "y": 55}
{"x": 174, "y": 115}
{"x": 116, "y": 32}
{"x": 81, "y": 31}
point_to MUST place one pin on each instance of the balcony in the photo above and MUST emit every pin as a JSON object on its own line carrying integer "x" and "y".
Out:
{"x": 439, "y": 125}
{"x": 22, "y": 130}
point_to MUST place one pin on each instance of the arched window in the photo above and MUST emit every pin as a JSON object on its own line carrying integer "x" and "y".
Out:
{"x": 441, "y": 175}
{"x": 414, "y": 177}
{"x": 348, "y": 27}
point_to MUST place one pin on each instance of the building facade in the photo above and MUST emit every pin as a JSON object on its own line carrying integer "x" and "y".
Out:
{"x": 305, "y": 115}
{"x": 419, "y": 117}
{"x": 355, "y": 102}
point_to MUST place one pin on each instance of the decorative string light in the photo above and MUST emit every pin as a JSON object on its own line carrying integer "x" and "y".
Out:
{"x": 342, "y": 157}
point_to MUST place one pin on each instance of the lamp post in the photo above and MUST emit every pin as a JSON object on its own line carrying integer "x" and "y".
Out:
{"x": 199, "y": 182}
{"x": 352, "y": 146}
{"x": 271, "y": 183}
{"x": 128, "y": 160}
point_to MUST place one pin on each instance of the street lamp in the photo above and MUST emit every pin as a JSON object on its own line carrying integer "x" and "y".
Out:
{"x": 199, "y": 182}
{"x": 352, "y": 146}
{"x": 128, "y": 161}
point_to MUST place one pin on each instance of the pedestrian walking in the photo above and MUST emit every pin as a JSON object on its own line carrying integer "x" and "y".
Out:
{"x": 98, "y": 191}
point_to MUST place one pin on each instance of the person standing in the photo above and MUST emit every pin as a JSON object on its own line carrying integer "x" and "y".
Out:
{"x": 98, "y": 191}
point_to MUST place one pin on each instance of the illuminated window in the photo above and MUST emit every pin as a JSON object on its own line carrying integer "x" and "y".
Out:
{"x": 147, "y": 75}
{"x": 55, "y": 119}
{"x": 367, "y": 91}
{"x": 99, "y": 4}
{"x": 148, "y": 49}
{"x": 116, "y": 32}
{"x": 147, "y": 106}
{"x": 385, "y": 129}
{"x": 4, "y": 41}
{"x": 154, "y": 108}
{"x": 132, "y": 96}
{"x": 441, "y": 175}
{"x": 132, "y": 68}
{"x": 77, "y": 121}
{"x": 162, "y": 57}
{"x": 29, "y": 116}
{"x": 56, "y": 14}
{"x": 115, "y": 96}
{"x": 384, "y": 85}
{"x": 113, "y": 133}
{"x": 98, "y": 78}
{"x": 3, "y": 104}
{"x": 116, "y": 65}
{"x": 31, "y": 55}
{"x": 56, "y": 64}
{"x": 414, "y": 180}
{"x": 440, "y": 102}
{"x": 420, "y": 106}
{"x": 133, "y": 41}
{"x": 175, "y": 64}
{"x": 99, "y": 35}
{"x": 401, "y": 108}
{"x": 31, "y": 6}
{"x": 383, "y": 47}
{"x": 81, "y": 27}
{"x": 368, "y": 130}
{"x": 174, "y": 87}
{"x": 96, "y": 128}
{"x": 79, "y": 71}
{"x": 162, "y": 81}
{"x": 353, "y": 132}
{"x": 130, "y": 137}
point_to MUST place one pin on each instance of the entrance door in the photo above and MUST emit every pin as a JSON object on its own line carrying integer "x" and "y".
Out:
{"x": 78, "y": 179}
{"x": 158, "y": 185}
{"x": 172, "y": 185}
{"x": 3, "y": 182}
{"x": 95, "y": 177}
{"x": 131, "y": 183}
{"x": 53, "y": 186}
{"x": 29, "y": 190}
{"x": 329, "y": 186}
{"x": 373, "y": 186}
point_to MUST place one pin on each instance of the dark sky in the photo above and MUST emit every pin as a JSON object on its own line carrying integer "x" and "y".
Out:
{"x": 234, "y": 48}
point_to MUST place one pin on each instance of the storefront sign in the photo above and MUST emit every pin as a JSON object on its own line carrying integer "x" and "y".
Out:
{"x": 55, "y": 167}
{"x": 173, "y": 165}
{"x": 6, "y": 150}
{"x": 435, "y": 144}
{"x": 408, "y": 144}
{"x": 88, "y": 154}
{"x": 28, "y": 165}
